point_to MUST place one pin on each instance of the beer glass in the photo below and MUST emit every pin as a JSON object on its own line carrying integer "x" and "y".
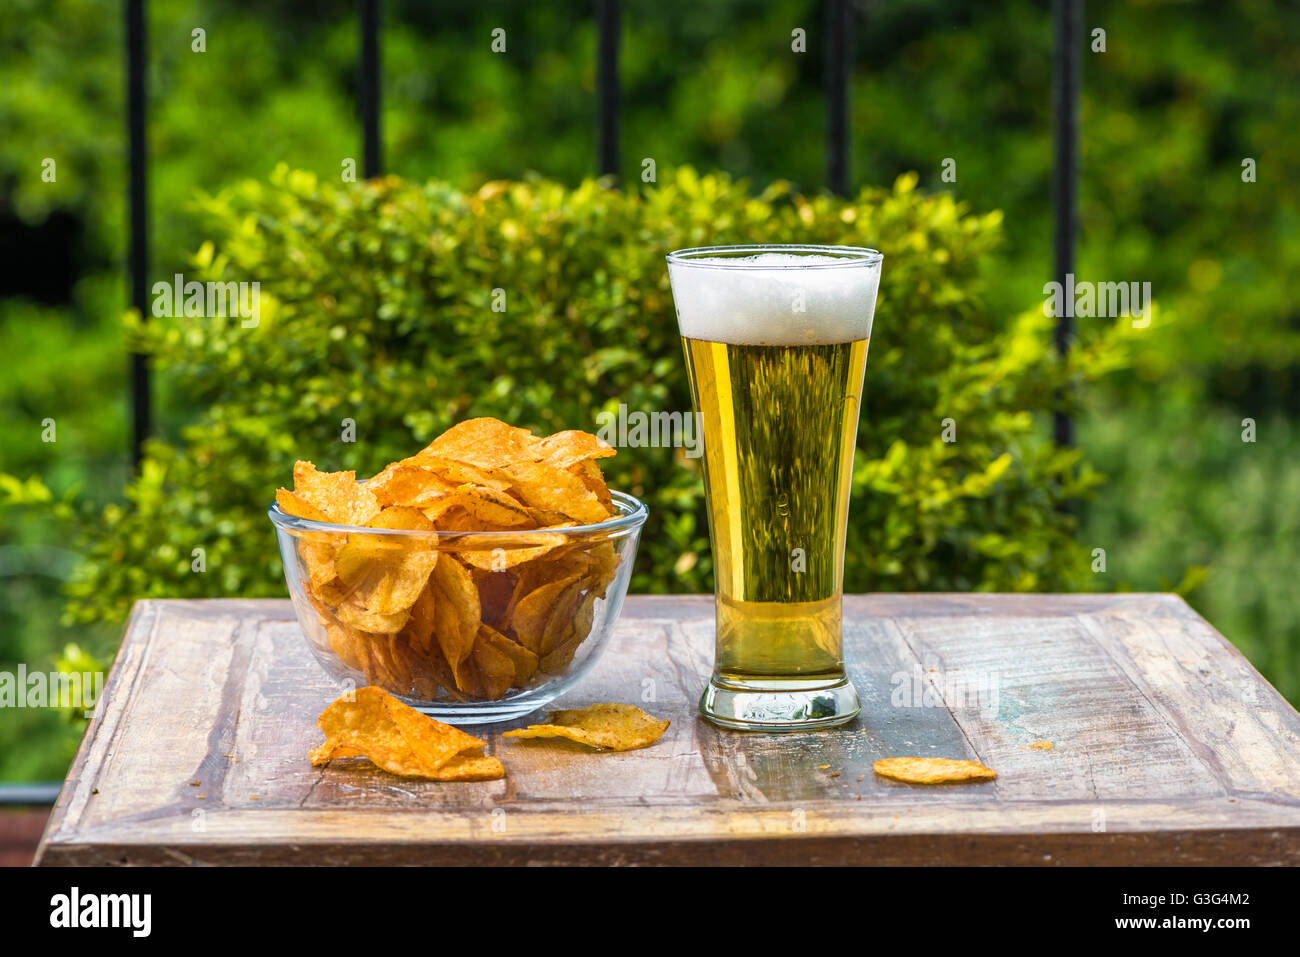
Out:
{"x": 775, "y": 339}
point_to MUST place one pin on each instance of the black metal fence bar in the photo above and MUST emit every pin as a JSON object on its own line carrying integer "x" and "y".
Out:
{"x": 1068, "y": 18}
{"x": 608, "y": 25}
{"x": 839, "y": 57}
{"x": 368, "y": 88}
{"x": 138, "y": 204}
{"x": 35, "y": 794}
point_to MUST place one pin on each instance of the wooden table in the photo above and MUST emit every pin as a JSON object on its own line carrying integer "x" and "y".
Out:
{"x": 1167, "y": 747}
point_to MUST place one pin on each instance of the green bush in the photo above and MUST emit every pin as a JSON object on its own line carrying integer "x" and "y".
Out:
{"x": 1238, "y": 532}
{"x": 377, "y": 307}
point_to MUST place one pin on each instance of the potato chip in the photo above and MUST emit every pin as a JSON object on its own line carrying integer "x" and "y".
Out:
{"x": 546, "y": 519}
{"x": 336, "y": 495}
{"x": 317, "y": 548}
{"x": 385, "y": 575}
{"x": 318, "y": 573}
{"x": 486, "y": 442}
{"x": 424, "y": 684}
{"x": 293, "y": 504}
{"x": 560, "y": 624}
{"x": 329, "y": 594}
{"x": 566, "y": 449}
{"x": 562, "y": 651}
{"x": 471, "y": 768}
{"x": 419, "y": 628}
{"x": 528, "y": 577}
{"x": 544, "y": 486}
{"x": 404, "y": 518}
{"x": 932, "y": 770}
{"x": 577, "y": 559}
{"x": 392, "y": 661}
{"x": 532, "y": 614}
{"x": 409, "y": 485}
{"x": 588, "y": 473}
{"x": 327, "y": 752}
{"x": 614, "y": 727}
{"x": 470, "y": 508}
{"x": 459, "y": 615}
{"x": 605, "y": 560}
{"x": 496, "y": 553}
{"x": 441, "y": 671}
{"x": 387, "y": 661}
{"x": 523, "y": 660}
{"x": 390, "y": 734}
{"x": 353, "y": 646}
{"x": 429, "y": 737}
{"x": 362, "y": 619}
{"x": 490, "y": 670}
{"x": 567, "y": 563}
{"x": 459, "y": 473}
{"x": 343, "y": 644}
{"x": 318, "y": 563}
{"x": 385, "y": 589}
{"x": 495, "y": 589}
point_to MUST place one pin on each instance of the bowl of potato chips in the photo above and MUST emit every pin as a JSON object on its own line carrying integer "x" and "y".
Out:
{"x": 477, "y": 580}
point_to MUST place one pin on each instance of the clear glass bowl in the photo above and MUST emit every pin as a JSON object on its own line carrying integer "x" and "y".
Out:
{"x": 534, "y": 608}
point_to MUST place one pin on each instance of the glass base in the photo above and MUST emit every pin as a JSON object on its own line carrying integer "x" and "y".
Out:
{"x": 779, "y": 704}
{"x": 477, "y": 713}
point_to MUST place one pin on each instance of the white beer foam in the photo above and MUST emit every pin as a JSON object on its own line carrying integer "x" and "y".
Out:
{"x": 760, "y": 300}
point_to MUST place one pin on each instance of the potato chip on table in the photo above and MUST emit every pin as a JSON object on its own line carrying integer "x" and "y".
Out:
{"x": 609, "y": 726}
{"x": 933, "y": 770}
{"x": 372, "y": 724}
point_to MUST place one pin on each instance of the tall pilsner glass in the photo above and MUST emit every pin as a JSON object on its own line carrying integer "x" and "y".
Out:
{"x": 776, "y": 344}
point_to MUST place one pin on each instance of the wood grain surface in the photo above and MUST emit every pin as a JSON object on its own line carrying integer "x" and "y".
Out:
{"x": 1166, "y": 747}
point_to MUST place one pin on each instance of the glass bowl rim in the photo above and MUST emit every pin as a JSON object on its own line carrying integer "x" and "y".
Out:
{"x": 634, "y": 516}
{"x": 850, "y": 256}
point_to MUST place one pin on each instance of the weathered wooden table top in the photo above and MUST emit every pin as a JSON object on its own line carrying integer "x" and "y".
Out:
{"x": 1167, "y": 747}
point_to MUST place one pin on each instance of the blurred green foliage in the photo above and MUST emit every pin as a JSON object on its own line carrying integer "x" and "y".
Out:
{"x": 1184, "y": 92}
{"x": 1204, "y": 501}
{"x": 378, "y": 308}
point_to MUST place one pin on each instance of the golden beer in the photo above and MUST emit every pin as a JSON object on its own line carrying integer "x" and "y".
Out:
{"x": 776, "y": 347}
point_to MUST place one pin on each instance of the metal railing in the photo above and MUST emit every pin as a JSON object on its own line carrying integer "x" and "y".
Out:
{"x": 372, "y": 154}
{"x": 138, "y": 206}
{"x": 608, "y": 23}
{"x": 839, "y": 62}
{"x": 1068, "y": 19}
{"x": 838, "y": 20}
